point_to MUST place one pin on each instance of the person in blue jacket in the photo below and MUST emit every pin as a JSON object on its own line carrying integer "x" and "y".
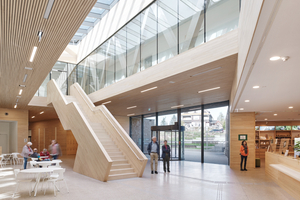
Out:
{"x": 153, "y": 150}
{"x": 166, "y": 150}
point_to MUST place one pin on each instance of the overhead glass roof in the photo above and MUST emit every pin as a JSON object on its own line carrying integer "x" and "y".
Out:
{"x": 100, "y": 9}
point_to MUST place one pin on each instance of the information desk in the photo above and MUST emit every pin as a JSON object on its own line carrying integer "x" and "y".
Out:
{"x": 285, "y": 171}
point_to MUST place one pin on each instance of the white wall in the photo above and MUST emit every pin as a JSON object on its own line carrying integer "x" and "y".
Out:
{"x": 124, "y": 122}
{"x": 117, "y": 17}
{"x": 4, "y": 133}
{"x": 9, "y": 136}
{"x": 13, "y": 138}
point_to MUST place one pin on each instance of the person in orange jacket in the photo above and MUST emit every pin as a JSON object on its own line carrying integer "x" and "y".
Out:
{"x": 244, "y": 151}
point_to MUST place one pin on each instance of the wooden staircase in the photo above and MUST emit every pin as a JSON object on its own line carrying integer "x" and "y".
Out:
{"x": 121, "y": 157}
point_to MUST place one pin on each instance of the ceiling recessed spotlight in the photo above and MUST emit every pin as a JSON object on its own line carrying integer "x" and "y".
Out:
{"x": 266, "y": 119}
{"x": 256, "y": 87}
{"x": 149, "y": 89}
{"x": 275, "y": 58}
{"x": 22, "y": 85}
{"x": 177, "y": 106}
{"x": 130, "y": 114}
{"x": 208, "y": 89}
{"x": 241, "y": 108}
{"x": 42, "y": 112}
{"x": 40, "y": 34}
{"x": 247, "y": 101}
{"x": 25, "y": 77}
{"x": 131, "y": 107}
{"x": 33, "y": 117}
{"x": 20, "y": 91}
{"x": 171, "y": 82}
{"x": 291, "y": 107}
{"x": 106, "y": 102}
{"x": 275, "y": 114}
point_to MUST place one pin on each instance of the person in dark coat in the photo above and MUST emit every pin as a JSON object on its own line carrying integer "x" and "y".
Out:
{"x": 166, "y": 150}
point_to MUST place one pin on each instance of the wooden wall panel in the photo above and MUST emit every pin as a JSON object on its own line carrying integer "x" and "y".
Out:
{"x": 124, "y": 122}
{"x": 43, "y": 133}
{"x": 242, "y": 123}
{"x": 288, "y": 183}
{"x": 72, "y": 144}
{"x": 21, "y": 116}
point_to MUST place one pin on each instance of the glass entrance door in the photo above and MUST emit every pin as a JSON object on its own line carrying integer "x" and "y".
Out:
{"x": 172, "y": 138}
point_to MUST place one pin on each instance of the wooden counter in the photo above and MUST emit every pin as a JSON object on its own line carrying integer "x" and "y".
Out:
{"x": 276, "y": 168}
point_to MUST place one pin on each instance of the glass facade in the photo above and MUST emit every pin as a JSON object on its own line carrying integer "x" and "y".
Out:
{"x": 163, "y": 30}
{"x": 63, "y": 74}
{"x": 207, "y": 143}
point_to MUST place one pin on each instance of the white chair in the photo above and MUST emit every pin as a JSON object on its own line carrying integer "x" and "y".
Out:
{"x": 1, "y": 161}
{"x": 56, "y": 176}
{"x": 22, "y": 179}
{"x": 6, "y": 159}
{"x": 15, "y": 158}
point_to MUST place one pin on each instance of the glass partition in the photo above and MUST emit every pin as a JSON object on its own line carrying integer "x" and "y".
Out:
{"x": 222, "y": 16}
{"x": 167, "y": 12}
{"x": 191, "y": 24}
{"x": 163, "y": 30}
{"x": 216, "y": 135}
{"x": 191, "y": 120}
{"x": 214, "y": 148}
{"x": 133, "y": 46}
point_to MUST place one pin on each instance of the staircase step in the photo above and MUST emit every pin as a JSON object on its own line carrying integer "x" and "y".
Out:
{"x": 115, "y": 153}
{"x": 121, "y": 171}
{"x": 122, "y": 176}
{"x": 119, "y": 157}
{"x": 120, "y": 166}
{"x": 121, "y": 161}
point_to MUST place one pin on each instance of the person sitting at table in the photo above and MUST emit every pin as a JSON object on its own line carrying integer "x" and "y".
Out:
{"x": 45, "y": 153}
{"x": 26, "y": 152}
{"x": 35, "y": 154}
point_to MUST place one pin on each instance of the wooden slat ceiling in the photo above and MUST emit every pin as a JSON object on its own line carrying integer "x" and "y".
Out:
{"x": 20, "y": 21}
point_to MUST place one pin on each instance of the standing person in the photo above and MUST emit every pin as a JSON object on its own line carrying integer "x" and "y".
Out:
{"x": 153, "y": 150}
{"x": 26, "y": 152}
{"x": 166, "y": 155}
{"x": 244, "y": 153}
{"x": 55, "y": 150}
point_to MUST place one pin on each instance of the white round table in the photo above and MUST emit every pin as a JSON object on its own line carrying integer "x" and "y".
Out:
{"x": 39, "y": 172}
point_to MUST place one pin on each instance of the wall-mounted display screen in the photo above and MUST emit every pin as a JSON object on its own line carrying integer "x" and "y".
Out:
{"x": 283, "y": 128}
{"x": 267, "y": 128}
{"x": 296, "y": 128}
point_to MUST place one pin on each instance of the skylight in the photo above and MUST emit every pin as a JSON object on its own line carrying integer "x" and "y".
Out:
{"x": 100, "y": 9}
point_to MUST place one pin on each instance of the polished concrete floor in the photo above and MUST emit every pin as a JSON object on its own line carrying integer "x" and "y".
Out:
{"x": 187, "y": 180}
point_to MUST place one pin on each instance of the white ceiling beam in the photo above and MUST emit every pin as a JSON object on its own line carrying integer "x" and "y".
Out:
{"x": 82, "y": 31}
{"x": 75, "y": 37}
{"x": 88, "y": 23}
{"x": 102, "y": 5}
{"x": 94, "y": 15}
